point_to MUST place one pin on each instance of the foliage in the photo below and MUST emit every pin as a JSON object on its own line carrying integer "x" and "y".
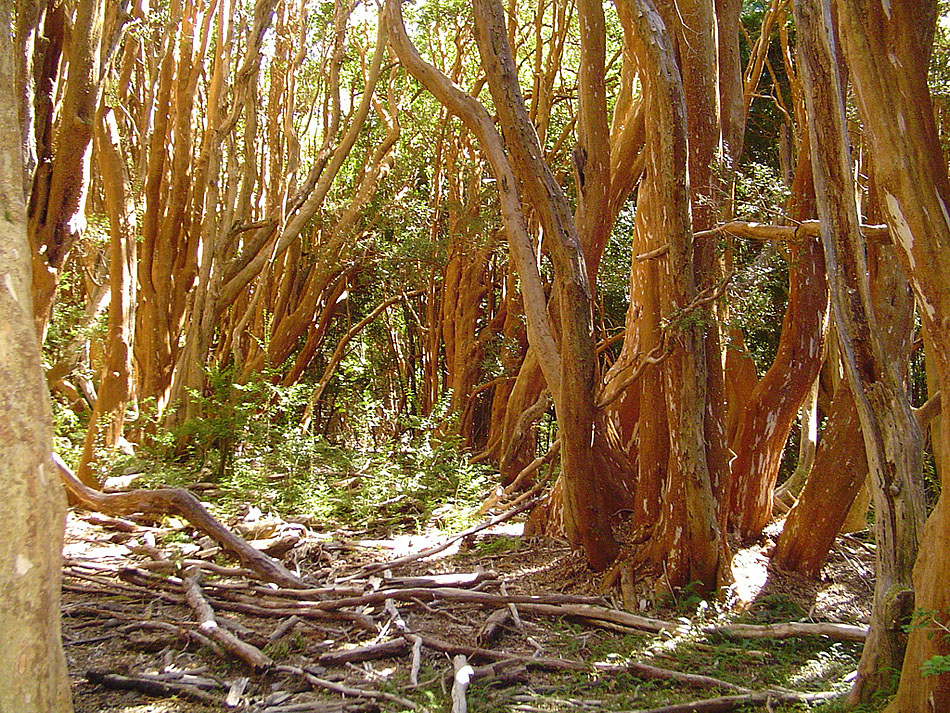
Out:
{"x": 933, "y": 623}
{"x": 248, "y": 441}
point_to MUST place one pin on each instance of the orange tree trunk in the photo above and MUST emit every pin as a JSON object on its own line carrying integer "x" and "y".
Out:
{"x": 839, "y": 471}
{"x": 891, "y": 434}
{"x": 568, "y": 363}
{"x": 767, "y": 419}
{"x": 764, "y": 421}
{"x": 687, "y": 539}
{"x": 108, "y": 416}
{"x": 887, "y": 46}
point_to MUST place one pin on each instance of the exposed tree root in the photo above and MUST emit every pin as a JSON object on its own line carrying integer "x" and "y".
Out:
{"x": 177, "y": 501}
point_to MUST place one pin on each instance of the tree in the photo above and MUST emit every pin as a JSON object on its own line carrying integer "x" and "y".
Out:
{"x": 891, "y": 434}
{"x": 887, "y": 48}
{"x": 32, "y": 514}
{"x": 568, "y": 366}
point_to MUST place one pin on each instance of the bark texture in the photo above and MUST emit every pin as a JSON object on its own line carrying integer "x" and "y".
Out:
{"x": 891, "y": 435}
{"x": 32, "y": 512}
{"x": 887, "y": 46}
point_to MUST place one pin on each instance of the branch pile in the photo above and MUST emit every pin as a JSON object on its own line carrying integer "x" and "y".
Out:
{"x": 315, "y": 646}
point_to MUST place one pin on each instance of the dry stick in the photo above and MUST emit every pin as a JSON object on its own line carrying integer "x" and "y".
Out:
{"x": 401, "y": 625}
{"x": 402, "y": 561}
{"x": 464, "y": 579}
{"x": 248, "y": 653}
{"x": 371, "y": 652}
{"x": 584, "y": 608}
{"x": 463, "y": 676}
{"x": 500, "y": 494}
{"x": 346, "y": 690}
{"x": 160, "y": 689}
{"x": 179, "y": 502}
{"x": 730, "y": 703}
{"x": 642, "y": 670}
{"x": 492, "y": 626}
{"x": 474, "y": 652}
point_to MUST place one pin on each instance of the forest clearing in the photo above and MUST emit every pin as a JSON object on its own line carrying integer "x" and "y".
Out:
{"x": 433, "y": 355}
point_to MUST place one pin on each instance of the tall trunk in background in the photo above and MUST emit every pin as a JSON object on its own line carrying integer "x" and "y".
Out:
{"x": 888, "y": 46}
{"x": 115, "y": 384}
{"x": 765, "y": 421}
{"x": 568, "y": 366}
{"x": 891, "y": 434}
{"x": 585, "y": 509}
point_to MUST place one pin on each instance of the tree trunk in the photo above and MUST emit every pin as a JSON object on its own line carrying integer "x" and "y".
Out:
{"x": 891, "y": 435}
{"x": 687, "y": 542}
{"x": 33, "y": 676}
{"x": 115, "y": 387}
{"x": 58, "y": 199}
{"x": 839, "y": 472}
{"x": 767, "y": 419}
{"x": 888, "y": 46}
{"x": 586, "y": 518}
{"x": 568, "y": 367}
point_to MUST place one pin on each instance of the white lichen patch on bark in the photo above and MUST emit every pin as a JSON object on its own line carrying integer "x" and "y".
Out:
{"x": 22, "y": 565}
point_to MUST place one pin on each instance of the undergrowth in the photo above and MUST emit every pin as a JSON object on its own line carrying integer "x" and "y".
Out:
{"x": 251, "y": 453}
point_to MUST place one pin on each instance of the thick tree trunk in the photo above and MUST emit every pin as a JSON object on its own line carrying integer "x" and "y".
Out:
{"x": 32, "y": 511}
{"x": 58, "y": 198}
{"x": 888, "y": 46}
{"x": 687, "y": 541}
{"x": 586, "y": 518}
{"x": 891, "y": 435}
{"x": 768, "y": 417}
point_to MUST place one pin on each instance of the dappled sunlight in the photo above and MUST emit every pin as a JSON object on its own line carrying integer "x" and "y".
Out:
{"x": 750, "y": 573}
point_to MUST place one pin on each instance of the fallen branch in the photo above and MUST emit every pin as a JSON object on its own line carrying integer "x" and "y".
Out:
{"x": 416, "y": 641}
{"x": 402, "y": 561}
{"x": 177, "y": 501}
{"x": 248, "y": 653}
{"x": 493, "y": 626}
{"x": 346, "y": 690}
{"x": 465, "y": 579}
{"x": 463, "y": 676}
{"x": 152, "y": 687}
{"x": 731, "y": 703}
{"x": 654, "y": 673}
{"x": 790, "y": 630}
{"x": 371, "y": 652}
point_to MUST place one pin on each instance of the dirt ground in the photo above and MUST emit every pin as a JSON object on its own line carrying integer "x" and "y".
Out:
{"x": 125, "y": 617}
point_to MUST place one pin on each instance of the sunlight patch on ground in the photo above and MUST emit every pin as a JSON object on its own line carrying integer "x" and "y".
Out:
{"x": 402, "y": 545}
{"x": 750, "y": 572}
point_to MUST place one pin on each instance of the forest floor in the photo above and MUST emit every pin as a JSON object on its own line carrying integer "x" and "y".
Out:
{"x": 527, "y": 613}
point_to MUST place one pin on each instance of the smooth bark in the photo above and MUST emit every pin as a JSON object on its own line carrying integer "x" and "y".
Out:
{"x": 33, "y": 675}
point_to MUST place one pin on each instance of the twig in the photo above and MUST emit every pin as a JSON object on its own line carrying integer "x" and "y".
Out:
{"x": 402, "y": 561}
{"x": 152, "y": 687}
{"x": 346, "y": 690}
{"x": 493, "y": 626}
{"x": 382, "y": 650}
{"x": 416, "y": 641}
{"x": 463, "y": 676}
{"x": 248, "y": 653}
{"x": 730, "y": 703}
{"x": 642, "y": 670}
